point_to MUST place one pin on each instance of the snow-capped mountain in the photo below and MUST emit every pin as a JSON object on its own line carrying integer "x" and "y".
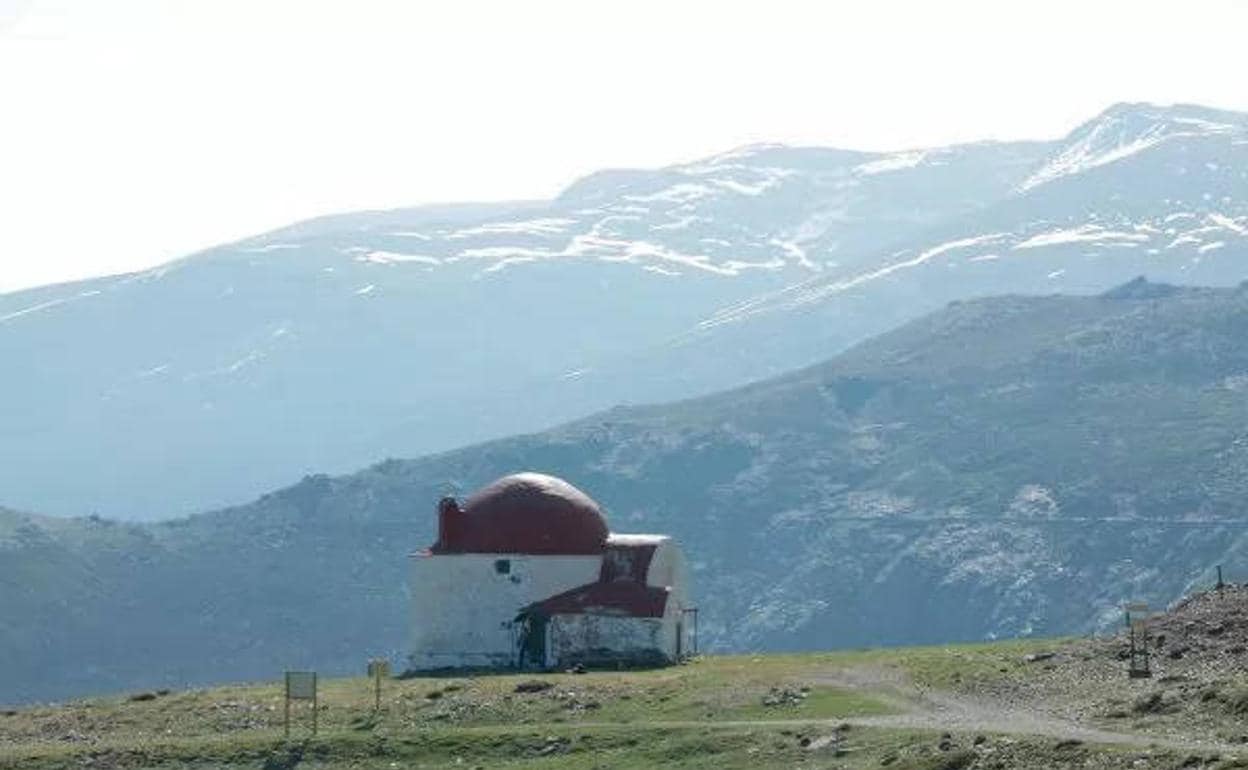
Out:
{"x": 343, "y": 340}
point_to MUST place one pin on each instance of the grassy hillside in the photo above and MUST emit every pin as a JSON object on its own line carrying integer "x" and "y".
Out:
{"x": 1008, "y": 466}
{"x": 937, "y": 708}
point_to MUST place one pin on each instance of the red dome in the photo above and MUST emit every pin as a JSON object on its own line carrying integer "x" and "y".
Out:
{"x": 528, "y": 513}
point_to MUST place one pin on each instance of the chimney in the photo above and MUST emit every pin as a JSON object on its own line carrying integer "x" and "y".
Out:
{"x": 449, "y": 519}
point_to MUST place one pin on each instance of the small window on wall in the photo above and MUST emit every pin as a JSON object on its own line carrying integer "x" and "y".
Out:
{"x": 502, "y": 566}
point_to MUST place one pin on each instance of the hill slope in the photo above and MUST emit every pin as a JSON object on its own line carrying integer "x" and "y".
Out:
{"x": 336, "y": 342}
{"x": 1005, "y": 467}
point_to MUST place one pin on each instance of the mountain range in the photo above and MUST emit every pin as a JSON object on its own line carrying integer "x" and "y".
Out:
{"x": 337, "y": 342}
{"x": 1017, "y": 465}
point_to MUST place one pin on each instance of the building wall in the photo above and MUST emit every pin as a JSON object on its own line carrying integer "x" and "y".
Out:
{"x": 668, "y": 568}
{"x": 462, "y": 606}
{"x": 606, "y": 639}
{"x": 598, "y": 639}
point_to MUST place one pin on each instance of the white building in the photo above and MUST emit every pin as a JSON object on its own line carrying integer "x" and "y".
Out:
{"x": 526, "y": 574}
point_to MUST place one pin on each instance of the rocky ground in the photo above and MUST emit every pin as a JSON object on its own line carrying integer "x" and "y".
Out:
{"x": 1198, "y": 690}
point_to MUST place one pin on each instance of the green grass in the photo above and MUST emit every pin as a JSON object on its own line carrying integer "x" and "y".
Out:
{"x": 709, "y": 713}
{"x": 958, "y": 665}
{"x": 439, "y": 718}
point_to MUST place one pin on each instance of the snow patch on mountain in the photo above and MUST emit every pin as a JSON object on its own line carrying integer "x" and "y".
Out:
{"x": 390, "y": 258}
{"x": 817, "y": 289}
{"x": 230, "y": 368}
{"x": 509, "y": 252}
{"x": 1181, "y": 240}
{"x": 46, "y": 305}
{"x": 680, "y": 223}
{"x": 1092, "y": 151}
{"x": 735, "y": 266}
{"x": 925, "y": 256}
{"x": 895, "y": 162}
{"x": 677, "y": 193}
{"x": 1206, "y": 126}
{"x": 616, "y": 249}
{"x": 1086, "y": 233}
{"x": 1123, "y": 131}
{"x": 641, "y": 250}
{"x": 541, "y": 226}
{"x": 503, "y": 264}
{"x": 1230, "y": 224}
{"x": 613, "y": 238}
{"x": 743, "y": 188}
{"x": 795, "y": 252}
{"x": 270, "y": 247}
{"x": 730, "y": 158}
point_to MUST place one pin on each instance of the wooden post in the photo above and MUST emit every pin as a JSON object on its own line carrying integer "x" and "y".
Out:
{"x": 315, "y": 707}
{"x": 1221, "y": 585}
{"x": 689, "y": 614}
{"x": 378, "y": 669}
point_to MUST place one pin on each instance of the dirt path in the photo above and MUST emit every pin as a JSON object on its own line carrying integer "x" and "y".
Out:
{"x": 927, "y": 709}
{"x": 922, "y": 708}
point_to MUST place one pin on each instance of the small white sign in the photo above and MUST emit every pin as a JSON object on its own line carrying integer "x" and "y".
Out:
{"x": 301, "y": 685}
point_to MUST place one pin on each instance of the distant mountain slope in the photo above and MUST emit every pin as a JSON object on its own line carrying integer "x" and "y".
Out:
{"x": 1140, "y": 190}
{"x": 333, "y": 343}
{"x": 1006, "y": 466}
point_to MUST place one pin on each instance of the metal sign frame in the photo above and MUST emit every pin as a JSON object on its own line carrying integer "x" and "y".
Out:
{"x": 301, "y": 685}
{"x": 1139, "y": 664}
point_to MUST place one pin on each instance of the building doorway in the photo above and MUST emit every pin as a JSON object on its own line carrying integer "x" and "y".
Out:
{"x": 531, "y": 641}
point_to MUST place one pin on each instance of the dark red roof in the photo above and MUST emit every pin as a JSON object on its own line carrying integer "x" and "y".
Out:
{"x": 526, "y": 513}
{"x": 622, "y": 597}
{"x": 621, "y": 587}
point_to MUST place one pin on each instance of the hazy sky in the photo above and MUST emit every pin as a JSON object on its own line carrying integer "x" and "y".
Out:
{"x": 134, "y": 132}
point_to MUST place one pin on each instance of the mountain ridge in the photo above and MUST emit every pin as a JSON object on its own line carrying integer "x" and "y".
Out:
{"x": 323, "y": 346}
{"x": 474, "y": 209}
